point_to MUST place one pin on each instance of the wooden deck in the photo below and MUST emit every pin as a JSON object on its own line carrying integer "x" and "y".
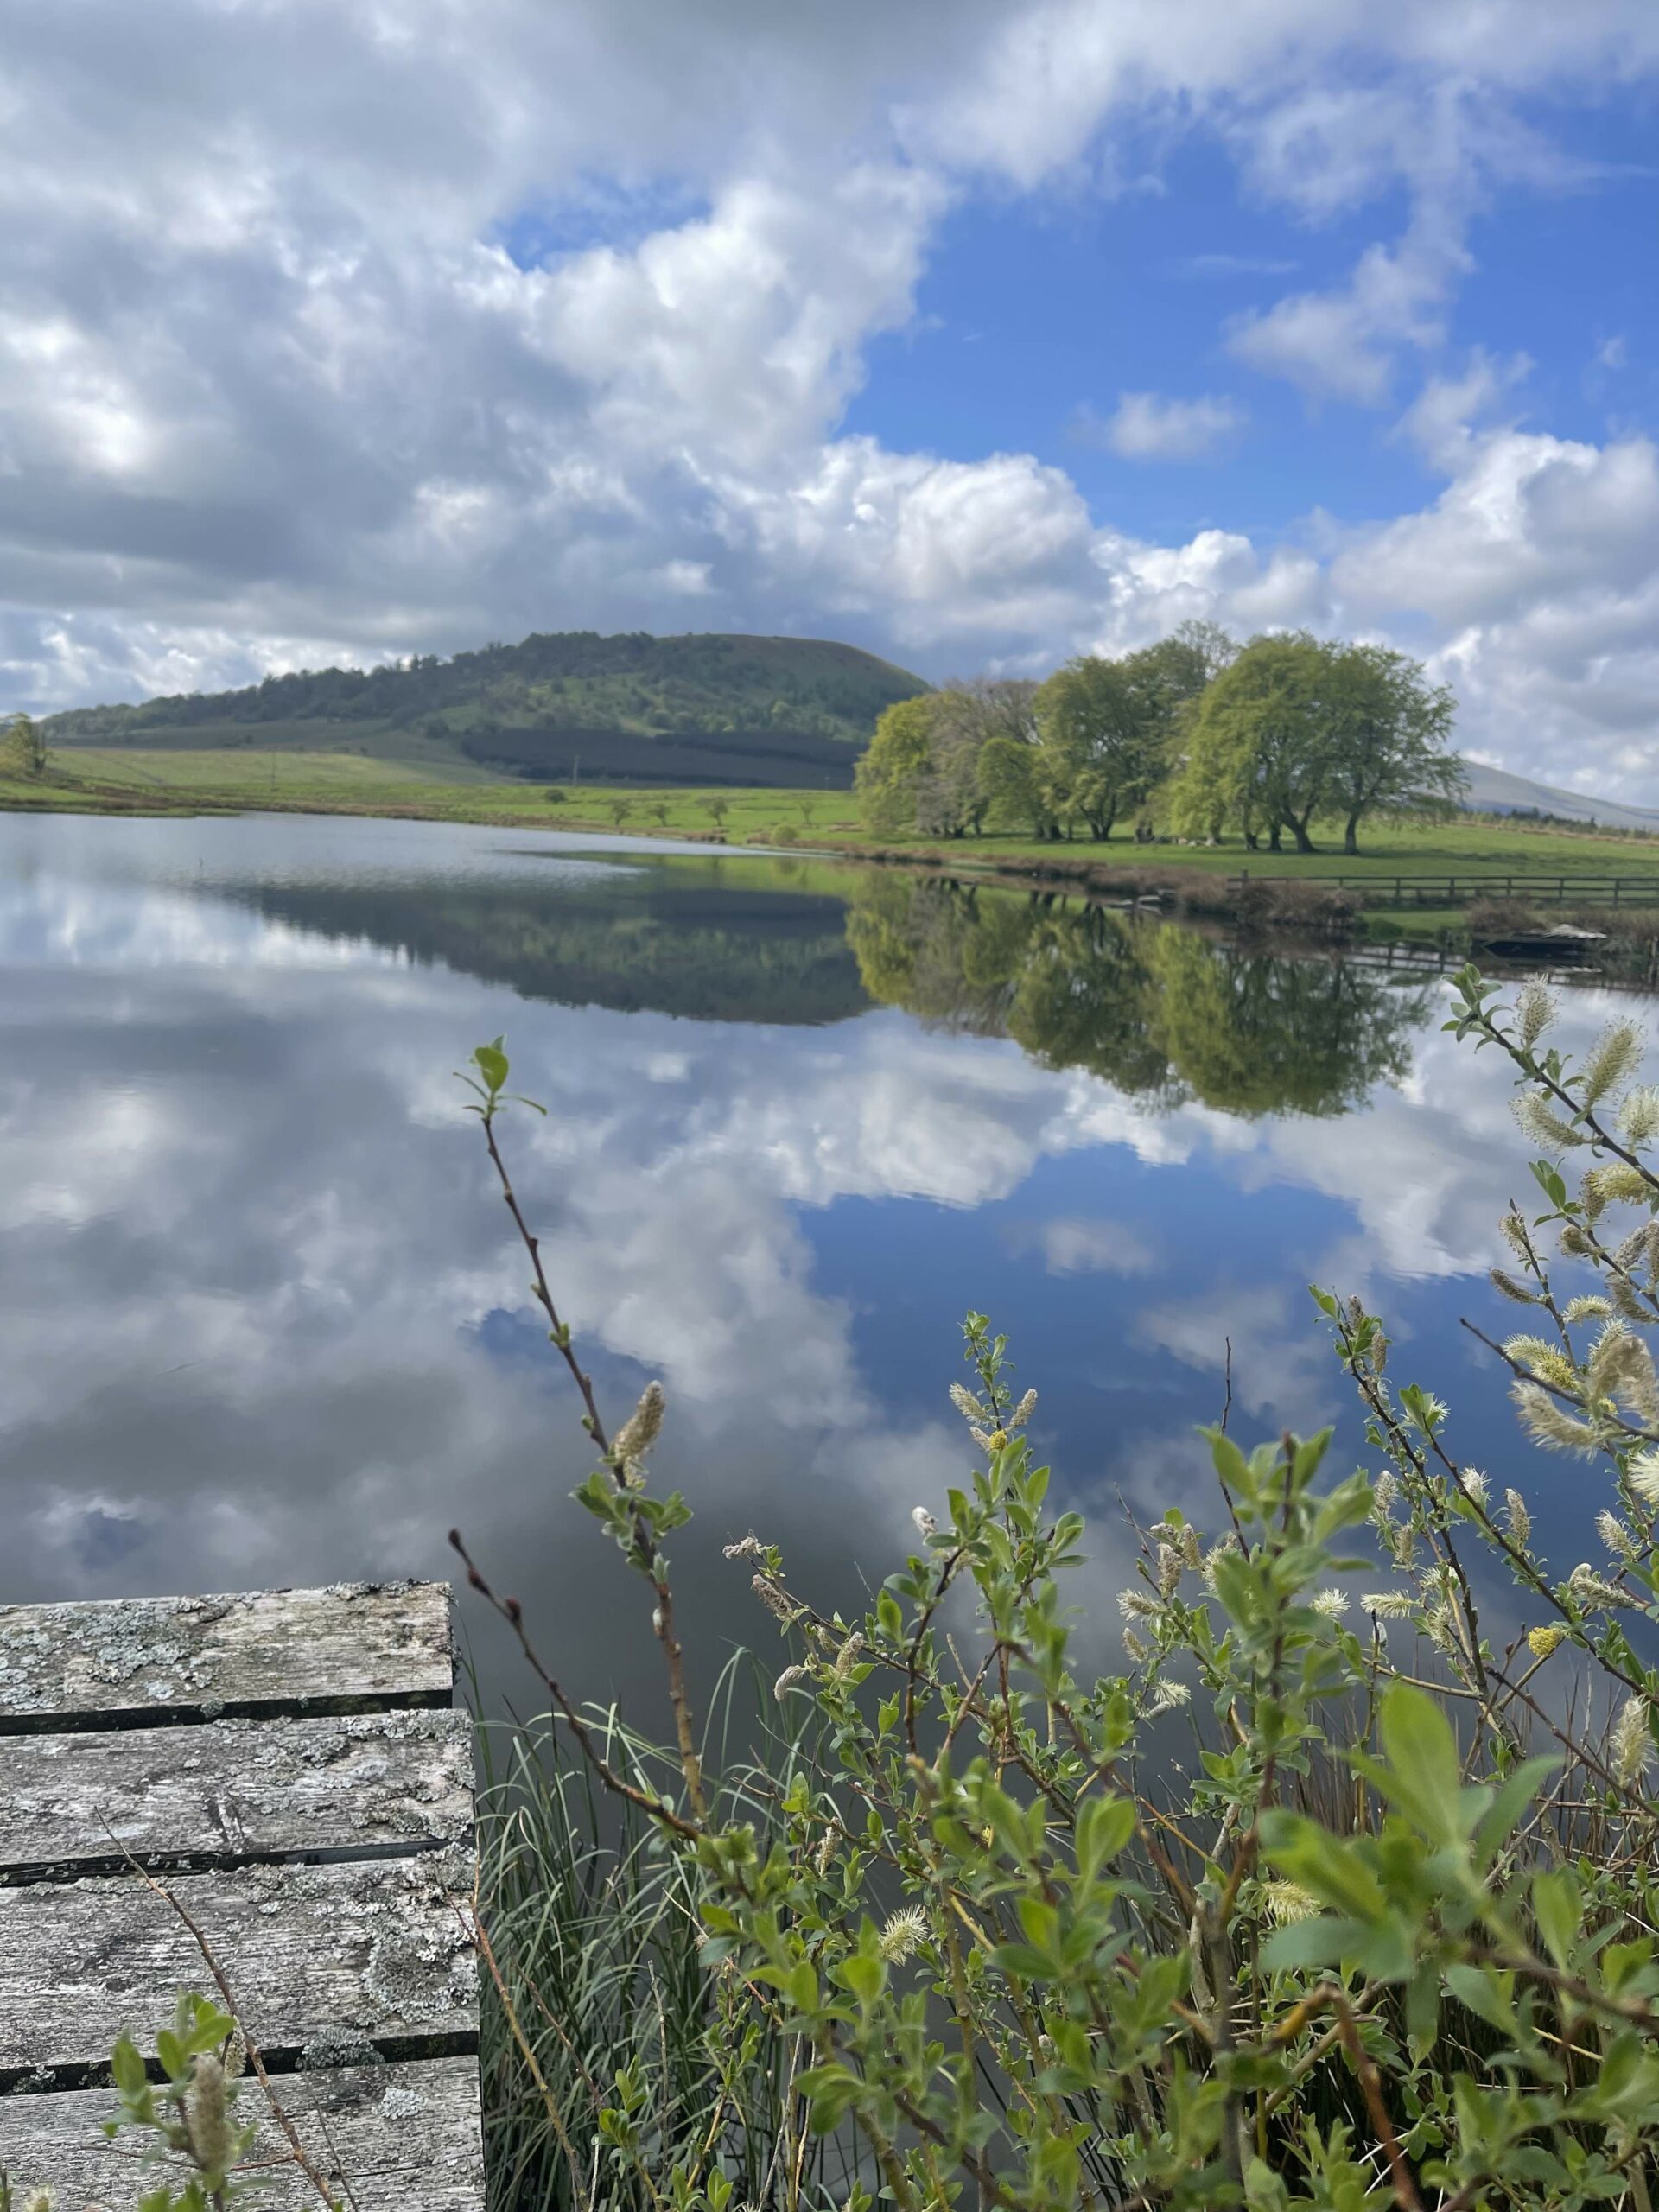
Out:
{"x": 287, "y": 1765}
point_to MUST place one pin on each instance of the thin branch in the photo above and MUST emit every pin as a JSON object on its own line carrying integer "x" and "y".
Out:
{"x": 301, "y": 2158}
{"x": 513, "y": 1613}
{"x": 646, "y": 1546}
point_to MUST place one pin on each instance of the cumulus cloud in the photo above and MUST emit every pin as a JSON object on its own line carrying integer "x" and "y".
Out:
{"x": 1342, "y": 344}
{"x": 1148, "y": 426}
{"x": 324, "y": 336}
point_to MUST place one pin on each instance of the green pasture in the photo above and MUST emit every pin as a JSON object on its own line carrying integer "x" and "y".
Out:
{"x": 172, "y": 779}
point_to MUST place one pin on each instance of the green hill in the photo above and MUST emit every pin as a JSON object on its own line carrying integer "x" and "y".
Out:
{"x": 635, "y": 708}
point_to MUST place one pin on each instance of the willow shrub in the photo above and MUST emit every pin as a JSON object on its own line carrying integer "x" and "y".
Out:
{"x": 1389, "y": 1937}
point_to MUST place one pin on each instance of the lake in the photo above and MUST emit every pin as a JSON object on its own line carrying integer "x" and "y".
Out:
{"x": 262, "y": 1321}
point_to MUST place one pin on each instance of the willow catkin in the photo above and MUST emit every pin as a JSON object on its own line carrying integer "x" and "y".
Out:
{"x": 208, "y": 2115}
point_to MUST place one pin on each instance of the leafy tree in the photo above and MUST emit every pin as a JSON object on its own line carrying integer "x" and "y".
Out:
{"x": 1007, "y": 773}
{"x": 1100, "y": 740}
{"x": 24, "y": 751}
{"x": 974, "y": 714}
{"x": 949, "y": 800}
{"x": 997, "y": 706}
{"x": 1260, "y": 750}
{"x": 1389, "y": 726}
{"x": 718, "y": 811}
{"x": 1174, "y": 674}
{"x": 890, "y": 774}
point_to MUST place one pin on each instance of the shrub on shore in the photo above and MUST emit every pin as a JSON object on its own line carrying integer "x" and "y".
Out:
{"x": 1300, "y": 906}
{"x": 1385, "y": 1938}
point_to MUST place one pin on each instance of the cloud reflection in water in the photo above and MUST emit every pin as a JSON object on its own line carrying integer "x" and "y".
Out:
{"x": 260, "y": 1322}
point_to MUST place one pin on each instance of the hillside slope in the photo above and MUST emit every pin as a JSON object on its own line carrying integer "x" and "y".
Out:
{"x": 699, "y": 709}
{"x": 1496, "y": 790}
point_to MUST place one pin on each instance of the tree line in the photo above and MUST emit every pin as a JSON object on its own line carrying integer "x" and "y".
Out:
{"x": 1210, "y": 737}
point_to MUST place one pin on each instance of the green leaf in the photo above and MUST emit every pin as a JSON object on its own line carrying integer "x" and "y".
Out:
{"x": 1423, "y": 2008}
{"x": 863, "y": 1975}
{"x": 127, "y": 2065}
{"x": 1029, "y": 1965}
{"x": 1558, "y": 1906}
{"x": 801, "y": 1986}
{"x": 1104, "y": 1826}
{"x": 829, "y": 2090}
{"x": 1322, "y": 1863}
{"x": 1313, "y": 1942}
{"x": 491, "y": 1063}
{"x": 1488, "y": 1993}
{"x": 1514, "y": 1794}
{"x": 1236, "y": 1586}
{"x": 1424, "y": 1775}
{"x": 1229, "y": 1462}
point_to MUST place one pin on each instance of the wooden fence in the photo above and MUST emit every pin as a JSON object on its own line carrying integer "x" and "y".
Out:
{"x": 1459, "y": 890}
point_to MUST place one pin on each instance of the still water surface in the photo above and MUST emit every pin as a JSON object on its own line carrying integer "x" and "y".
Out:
{"x": 260, "y": 1322}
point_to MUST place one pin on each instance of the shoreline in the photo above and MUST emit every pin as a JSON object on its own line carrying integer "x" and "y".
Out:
{"x": 1301, "y": 904}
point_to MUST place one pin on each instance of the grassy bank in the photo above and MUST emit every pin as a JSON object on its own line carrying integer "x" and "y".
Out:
{"x": 205, "y": 779}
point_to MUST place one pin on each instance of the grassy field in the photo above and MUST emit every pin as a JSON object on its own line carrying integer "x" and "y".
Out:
{"x": 228, "y": 742}
{"x": 128, "y": 778}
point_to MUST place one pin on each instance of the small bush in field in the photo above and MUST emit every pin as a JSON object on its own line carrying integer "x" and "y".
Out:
{"x": 1323, "y": 910}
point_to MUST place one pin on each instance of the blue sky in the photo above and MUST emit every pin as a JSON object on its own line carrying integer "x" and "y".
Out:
{"x": 1033, "y": 318}
{"x": 979, "y": 334}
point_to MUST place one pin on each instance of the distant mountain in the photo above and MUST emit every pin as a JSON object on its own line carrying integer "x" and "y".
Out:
{"x": 701, "y": 708}
{"x": 1495, "y": 791}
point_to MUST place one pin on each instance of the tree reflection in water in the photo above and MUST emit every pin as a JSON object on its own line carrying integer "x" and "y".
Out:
{"x": 1153, "y": 1007}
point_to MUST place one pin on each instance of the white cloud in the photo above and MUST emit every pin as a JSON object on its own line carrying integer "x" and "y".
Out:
{"x": 1342, "y": 345}
{"x": 1441, "y": 422}
{"x": 275, "y": 390}
{"x": 1148, "y": 426}
{"x": 1074, "y": 1246}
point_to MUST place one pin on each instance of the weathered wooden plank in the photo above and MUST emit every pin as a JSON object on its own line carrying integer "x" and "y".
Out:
{"x": 350, "y": 1646}
{"x": 404, "y": 2135}
{"x": 379, "y": 1949}
{"x": 364, "y": 1782}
